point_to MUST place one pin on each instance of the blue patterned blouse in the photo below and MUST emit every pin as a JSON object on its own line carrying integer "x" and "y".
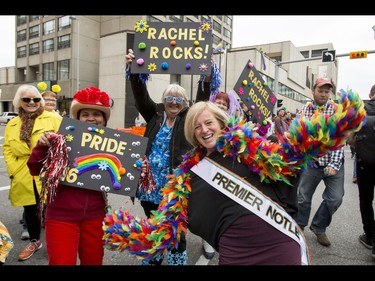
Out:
{"x": 159, "y": 163}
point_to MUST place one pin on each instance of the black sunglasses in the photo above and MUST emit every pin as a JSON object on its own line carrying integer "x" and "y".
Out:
{"x": 27, "y": 100}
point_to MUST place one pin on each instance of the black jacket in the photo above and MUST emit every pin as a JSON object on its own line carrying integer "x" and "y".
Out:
{"x": 211, "y": 212}
{"x": 153, "y": 113}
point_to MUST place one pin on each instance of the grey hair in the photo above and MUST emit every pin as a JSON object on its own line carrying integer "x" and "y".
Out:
{"x": 22, "y": 90}
{"x": 176, "y": 90}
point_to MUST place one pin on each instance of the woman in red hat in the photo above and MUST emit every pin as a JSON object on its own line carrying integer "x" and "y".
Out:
{"x": 73, "y": 219}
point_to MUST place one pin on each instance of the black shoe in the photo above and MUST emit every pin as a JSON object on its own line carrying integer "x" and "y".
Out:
{"x": 365, "y": 241}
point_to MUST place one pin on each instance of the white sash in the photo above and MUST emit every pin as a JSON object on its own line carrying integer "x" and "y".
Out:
{"x": 252, "y": 199}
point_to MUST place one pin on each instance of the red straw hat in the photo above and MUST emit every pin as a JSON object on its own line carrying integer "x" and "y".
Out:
{"x": 93, "y": 98}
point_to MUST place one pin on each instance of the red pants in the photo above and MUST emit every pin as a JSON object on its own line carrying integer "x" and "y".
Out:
{"x": 65, "y": 240}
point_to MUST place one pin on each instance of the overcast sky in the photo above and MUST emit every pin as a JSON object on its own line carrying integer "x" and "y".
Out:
{"x": 346, "y": 33}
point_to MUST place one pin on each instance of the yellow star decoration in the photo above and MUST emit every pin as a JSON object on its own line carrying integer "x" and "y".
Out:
{"x": 151, "y": 67}
{"x": 69, "y": 138}
{"x": 101, "y": 131}
{"x": 206, "y": 26}
{"x": 141, "y": 26}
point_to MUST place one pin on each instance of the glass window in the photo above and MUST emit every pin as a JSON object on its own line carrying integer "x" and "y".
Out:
{"x": 48, "y": 71}
{"x": 63, "y": 70}
{"x": 49, "y": 27}
{"x": 215, "y": 39}
{"x": 21, "y": 52}
{"x": 217, "y": 26}
{"x": 64, "y": 22}
{"x": 305, "y": 54}
{"x": 32, "y": 18}
{"x": 152, "y": 19}
{"x": 21, "y": 20}
{"x": 34, "y": 31}
{"x": 64, "y": 42}
{"x": 48, "y": 45}
{"x": 227, "y": 33}
{"x": 317, "y": 53}
{"x": 21, "y": 35}
{"x": 176, "y": 18}
{"x": 207, "y": 18}
{"x": 228, "y": 20}
{"x": 34, "y": 49}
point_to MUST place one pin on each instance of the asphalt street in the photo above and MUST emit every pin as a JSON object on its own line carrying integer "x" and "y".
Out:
{"x": 343, "y": 231}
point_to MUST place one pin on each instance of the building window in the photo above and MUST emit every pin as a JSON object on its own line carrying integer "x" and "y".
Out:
{"x": 34, "y": 49}
{"x": 34, "y": 31}
{"x": 21, "y": 35}
{"x": 64, "y": 22}
{"x": 228, "y": 20}
{"x": 206, "y": 18}
{"x": 305, "y": 54}
{"x": 64, "y": 42}
{"x": 63, "y": 70}
{"x": 215, "y": 39}
{"x": 152, "y": 19}
{"x": 217, "y": 26}
{"x": 48, "y": 71}
{"x": 32, "y": 18}
{"x": 227, "y": 32}
{"x": 49, "y": 27}
{"x": 48, "y": 45}
{"x": 317, "y": 53}
{"x": 21, "y": 20}
{"x": 21, "y": 52}
{"x": 176, "y": 18}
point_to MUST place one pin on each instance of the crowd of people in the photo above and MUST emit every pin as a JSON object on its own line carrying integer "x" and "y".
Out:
{"x": 210, "y": 167}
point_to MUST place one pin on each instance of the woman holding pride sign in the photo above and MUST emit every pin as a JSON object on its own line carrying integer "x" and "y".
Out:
{"x": 74, "y": 216}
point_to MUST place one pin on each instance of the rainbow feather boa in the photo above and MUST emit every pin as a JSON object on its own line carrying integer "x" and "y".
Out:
{"x": 305, "y": 141}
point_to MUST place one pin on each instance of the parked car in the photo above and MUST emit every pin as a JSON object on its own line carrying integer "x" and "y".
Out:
{"x": 6, "y": 116}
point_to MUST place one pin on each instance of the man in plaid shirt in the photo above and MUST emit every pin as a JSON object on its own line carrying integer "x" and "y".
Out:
{"x": 329, "y": 168}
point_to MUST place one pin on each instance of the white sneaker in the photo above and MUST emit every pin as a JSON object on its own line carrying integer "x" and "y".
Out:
{"x": 208, "y": 250}
{"x": 25, "y": 235}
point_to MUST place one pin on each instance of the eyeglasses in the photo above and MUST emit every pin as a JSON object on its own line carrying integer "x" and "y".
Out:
{"x": 176, "y": 99}
{"x": 51, "y": 100}
{"x": 27, "y": 100}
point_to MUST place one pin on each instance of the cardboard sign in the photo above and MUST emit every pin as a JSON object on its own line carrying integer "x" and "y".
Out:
{"x": 101, "y": 158}
{"x": 255, "y": 93}
{"x": 172, "y": 48}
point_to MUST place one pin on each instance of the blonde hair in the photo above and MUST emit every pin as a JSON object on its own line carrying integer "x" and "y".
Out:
{"x": 176, "y": 90}
{"x": 49, "y": 94}
{"x": 194, "y": 111}
{"x": 23, "y": 89}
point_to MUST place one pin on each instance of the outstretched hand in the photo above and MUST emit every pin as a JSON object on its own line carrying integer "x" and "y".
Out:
{"x": 129, "y": 57}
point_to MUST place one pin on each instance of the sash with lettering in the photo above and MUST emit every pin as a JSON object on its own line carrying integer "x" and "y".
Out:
{"x": 253, "y": 200}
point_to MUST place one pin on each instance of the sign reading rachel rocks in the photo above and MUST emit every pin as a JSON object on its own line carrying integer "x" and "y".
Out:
{"x": 172, "y": 48}
{"x": 255, "y": 93}
{"x": 101, "y": 158}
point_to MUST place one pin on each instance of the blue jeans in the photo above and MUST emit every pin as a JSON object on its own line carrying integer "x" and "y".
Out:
{"x": 332, "y": 197}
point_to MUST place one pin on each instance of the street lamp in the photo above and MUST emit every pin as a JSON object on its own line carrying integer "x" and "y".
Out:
{"x": 76, "y": 18}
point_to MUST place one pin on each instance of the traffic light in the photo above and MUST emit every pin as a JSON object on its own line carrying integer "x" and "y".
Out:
{"x": 358, "y": 55}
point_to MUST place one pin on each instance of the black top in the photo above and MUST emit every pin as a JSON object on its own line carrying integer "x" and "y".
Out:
{"x": 153, "y": 113}
{"x": 210, "y": 212}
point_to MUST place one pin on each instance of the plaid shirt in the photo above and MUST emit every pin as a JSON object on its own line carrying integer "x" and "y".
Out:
{"x": 333, "y": 158}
